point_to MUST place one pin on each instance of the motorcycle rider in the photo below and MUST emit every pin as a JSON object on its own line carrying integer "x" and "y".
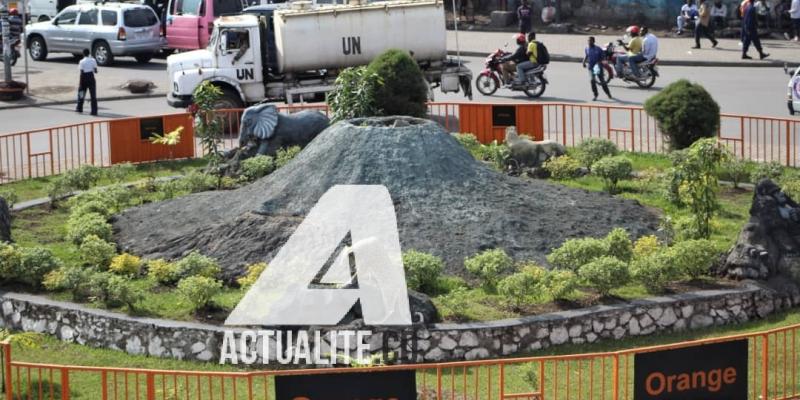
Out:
{"x": 531, "y": 61}
{"x": 634, "y": 55}
{"x": 514, "y": 59}
{"x": 649, "y": 45}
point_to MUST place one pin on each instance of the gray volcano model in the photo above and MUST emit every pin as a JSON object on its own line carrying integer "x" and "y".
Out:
{"x": 447, "y": 203}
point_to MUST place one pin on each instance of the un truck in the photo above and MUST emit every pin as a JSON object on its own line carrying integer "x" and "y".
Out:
{"x": 298, "y": 49}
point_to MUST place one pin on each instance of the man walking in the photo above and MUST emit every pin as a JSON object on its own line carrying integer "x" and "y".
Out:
{"x": 525, "y": 17}
{"x": 593, "y": 56}
{"x": 794, "y": 14}
{"x": 87, "y": 67}
{"x": 702, "y": 27}
{"x": 750, "y": 32}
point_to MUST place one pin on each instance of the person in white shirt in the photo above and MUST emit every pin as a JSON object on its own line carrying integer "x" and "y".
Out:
{"x": 719, "y": 14}
{"x": 794, "y": 14}
{"x": 87, "y": 68}
{"x": 688, "y": 14}
{"x": 650, "y": 45}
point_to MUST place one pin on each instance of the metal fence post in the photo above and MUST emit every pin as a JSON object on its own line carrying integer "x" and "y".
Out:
{"x": 151, "y": 386}
{"x": 7, "y": 370}
{"x": 764, "y": 367}
{"x": 64, "y": 384}
{"x": 788, "y": 145}
{"x": 615, "y": 378}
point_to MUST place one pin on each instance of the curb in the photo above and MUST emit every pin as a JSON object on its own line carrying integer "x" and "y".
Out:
{"x": 681, "y": 63}
{"x": 99, "y": 99}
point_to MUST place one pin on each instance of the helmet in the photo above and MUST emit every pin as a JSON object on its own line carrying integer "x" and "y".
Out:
{"x": 632, "y": 30}
{"x": 13, "y": 11}
{"x": 519, "y": 38}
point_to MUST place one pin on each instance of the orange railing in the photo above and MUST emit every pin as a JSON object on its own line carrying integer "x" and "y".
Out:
{"x": 772, "y": 374}
{"x": 51, "y": 151}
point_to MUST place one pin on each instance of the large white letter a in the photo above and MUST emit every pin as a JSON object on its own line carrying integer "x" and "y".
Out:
{"x": 284, "y": 293}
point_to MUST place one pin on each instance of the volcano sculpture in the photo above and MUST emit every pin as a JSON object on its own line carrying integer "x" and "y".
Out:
{"x": 447, "y": 203}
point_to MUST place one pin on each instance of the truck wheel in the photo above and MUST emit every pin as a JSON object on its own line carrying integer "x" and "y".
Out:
{"x": 229, "y": 100}
{"x": 38, "y": 48}
{"x": 102, "y": 54}
{"x": 144, "y": 58}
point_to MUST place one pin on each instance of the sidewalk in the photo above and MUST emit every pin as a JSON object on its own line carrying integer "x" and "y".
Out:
{"x": 671, "y": 50}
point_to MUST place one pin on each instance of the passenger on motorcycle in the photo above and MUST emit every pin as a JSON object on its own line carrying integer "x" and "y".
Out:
{"x": 531, "y": 62}
{"x": 634, "y": 55}
{"x": 649, "y": 45}
{"x": 517, "y": 57}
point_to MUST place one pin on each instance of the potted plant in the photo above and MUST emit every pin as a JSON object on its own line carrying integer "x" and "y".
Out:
{"x": 9, "y": 88}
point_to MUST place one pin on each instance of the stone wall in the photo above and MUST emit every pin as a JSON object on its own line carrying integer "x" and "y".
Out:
{"x": 438, "y": 342}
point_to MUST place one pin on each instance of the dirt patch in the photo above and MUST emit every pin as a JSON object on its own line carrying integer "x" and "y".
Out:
{"x": 447, "y": 203}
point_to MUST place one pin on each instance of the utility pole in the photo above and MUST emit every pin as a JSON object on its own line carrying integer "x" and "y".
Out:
{"x": 6, "y": 41}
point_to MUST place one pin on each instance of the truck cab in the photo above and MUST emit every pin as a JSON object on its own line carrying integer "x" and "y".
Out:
{"x": 189, "y": 23}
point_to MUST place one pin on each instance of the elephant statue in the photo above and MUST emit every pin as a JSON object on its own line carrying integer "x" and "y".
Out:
{"x": 266, "y": 130}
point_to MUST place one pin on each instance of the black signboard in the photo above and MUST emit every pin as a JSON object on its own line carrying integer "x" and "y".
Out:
{"x": 399, "y": 385}
{"x": 150, "y": 126}
{"x": 707, "y": 372}
{"x": 504, "y": 115}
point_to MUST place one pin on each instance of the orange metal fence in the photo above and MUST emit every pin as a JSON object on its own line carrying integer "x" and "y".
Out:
{"x": 772, "y": 375}
{"x": 51, "y": 151}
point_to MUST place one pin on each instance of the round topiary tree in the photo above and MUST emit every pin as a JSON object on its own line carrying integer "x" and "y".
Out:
{"x": 685, "y": 112}
{"x": 404, "y": 90}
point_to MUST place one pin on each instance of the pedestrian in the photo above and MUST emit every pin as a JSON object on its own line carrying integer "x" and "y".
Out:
{"x": 525, "y": 17}
{"x": 719, "y": 15}
{"x": 794, "y": 14}
{"x": 701, "y": 28}
{"x": 87, "y": 68}
{"x": 750, "y": 32}
{"x": 593, "y": 58}
{"x": 687, "y": 15}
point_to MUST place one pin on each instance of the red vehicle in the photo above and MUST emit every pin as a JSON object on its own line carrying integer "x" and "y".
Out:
{"x": 491, "y": 78}
{"x": 648, "y": 72}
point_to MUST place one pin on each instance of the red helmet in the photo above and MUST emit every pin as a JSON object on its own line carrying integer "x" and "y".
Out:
{"x": 519, "y": 38}
{"x": 632, "y": 30}
{"x": 13, "y": 11}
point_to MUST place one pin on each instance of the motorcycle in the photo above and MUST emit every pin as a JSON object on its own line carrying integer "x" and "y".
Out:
{"x": 491, "y": 78}
{"x": 15, "y": 46}
{"x": 648, "y": 71}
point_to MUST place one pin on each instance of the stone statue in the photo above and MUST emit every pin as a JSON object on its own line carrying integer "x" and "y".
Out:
{"x": 769, "y": 244}
{"x": 527, "y": 153}
{"x": 266, "y": 130}
{"x": 5, "y": 221}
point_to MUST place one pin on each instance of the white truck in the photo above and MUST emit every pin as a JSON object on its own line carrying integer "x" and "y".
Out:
{"x": 296, "y": 50}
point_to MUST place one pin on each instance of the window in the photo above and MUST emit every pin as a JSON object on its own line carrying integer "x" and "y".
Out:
{"x": 227, "y": 7}
{"x": 88, "y": 17}
{"x": 139, "y": 17}
{"x": 109, "y": 18}
{"x": 188, "y": 7}
{"x": 236, "y": 40}
{"x": 67, "y": 18}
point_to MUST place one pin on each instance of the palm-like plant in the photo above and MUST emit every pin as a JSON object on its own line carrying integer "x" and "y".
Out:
{"x": 170, "y": 139}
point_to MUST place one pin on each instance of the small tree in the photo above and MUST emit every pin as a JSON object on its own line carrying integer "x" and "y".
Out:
{"x": 354, "y": 94}
{"x": 698, "y": 186}
{"x": 612, "y": 170}
{"x": 404, "y": 90}
{"x": 207, "y": 124}
{"x": 169, "y": 139}
{"x": 594, "y": 149}
{"x": 685, "y": 112}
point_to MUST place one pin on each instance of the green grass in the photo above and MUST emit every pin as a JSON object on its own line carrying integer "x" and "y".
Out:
{"x": 30, "y": 189}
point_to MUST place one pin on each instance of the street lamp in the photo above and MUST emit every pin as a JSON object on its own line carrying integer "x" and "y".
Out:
{"x": 9, "y": 89}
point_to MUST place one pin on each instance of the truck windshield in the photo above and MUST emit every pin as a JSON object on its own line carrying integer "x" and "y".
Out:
{"x": 188, "y": 7}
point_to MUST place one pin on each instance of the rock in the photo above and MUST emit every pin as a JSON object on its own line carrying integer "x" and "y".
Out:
{"x": 575, "y": 330}
{"x": 655, "y": 313}
{"x": 687, "y": 310}
{"x": 447, "y": 343}
{"x": 591, "y": 337}
{"x": 437, "y": 187}
{"x": 468, "y": 339}
{"x": 701, "y": 321}
{"x": 138, "y": 86}
{"x": 434, "y": 355}
{"x": 5, "y": 221}
{"x": 476, "y": 354}
{"x": 422, "y": 308}
{"x": 619, "y": 332}
{"x": 667, "y": 318}
{"x": 559, "y": 335}
{"x": 633, "y": 326}
{"x": 645, "y": 321}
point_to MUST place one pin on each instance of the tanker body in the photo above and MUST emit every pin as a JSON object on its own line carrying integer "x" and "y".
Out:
{"x": 284, "y": 53}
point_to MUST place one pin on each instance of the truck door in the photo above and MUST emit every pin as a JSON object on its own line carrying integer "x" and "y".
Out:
{"x": 183, "y": 24}
{"x": 236, "y": 59}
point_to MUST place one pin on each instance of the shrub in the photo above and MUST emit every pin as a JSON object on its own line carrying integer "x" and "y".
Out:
{"x": 655, "y": 271}
{"x": 119, "y": 173}
{"x": 126, "y": 264}
{"x": 404, "y": 90}
{"x": 693, "y": 257}
{"x": 81, "y": 178}
{"x": 612, "y": 170}
{"x": 256, "y": 167}
{"x": 604, "y": 273}
{"x": 75, "y": 280}
{"x": 354, "y": 94}
{"x": 791, "y": 187}
{"x": 522, "y": 287}
{"x": 10, "y": 197}
{"x": 96, "y": 252}
{"x": 470, "y": 142}
{"x": 34, "y": 264}
{"x": 93, "y": 206}
{"x": 197, "y": 291}
{"x": 170, "y": 189}
{"x": 563, "y": 167}
{"x": 685, "y": 112}
{"x": 122, "y": 291}
{"x": 619, "y": 244}
{"x": 196, "y": 264}
{"x": 575, "y": 253}
{"x": 108, "y": 200}
{"x": 645, "y": 246}
{"x": 454, "y": 304}
{"x": 446, "y": 284}
{"x": 592, "y": 150}
{"x": 685, "y": 228}
{"x": 422, "y": 270}
{"x": 495, "y": 153}
{"x": 697, "y": 177}
{"x": 735, "y": 169}
{"x": 162, "y": 271}
{"x": 285, "y": 155}
{"x": 253, "y": 272}
{"x": 9, "y": 260}
{"x": 648, "y": 179}
{"x": 560, "y": 283}
{"x": 196, "y": 181}
{"x": 81, "y": 226}
{"x": 771, "y": 170}
{"x": 489, "y": 266}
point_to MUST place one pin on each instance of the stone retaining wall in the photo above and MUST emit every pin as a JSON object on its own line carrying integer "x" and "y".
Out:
{"x": 440, "y": 342}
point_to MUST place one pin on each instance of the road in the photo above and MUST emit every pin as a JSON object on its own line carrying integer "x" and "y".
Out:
{"x": 754, "y": 91}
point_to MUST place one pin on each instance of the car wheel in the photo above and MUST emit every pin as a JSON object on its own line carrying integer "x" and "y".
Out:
{"x": 38, "y": 48}
{"x": 43, "y": 18}
{"x": 144, "y": 58}
{"x": 102, "y": 54}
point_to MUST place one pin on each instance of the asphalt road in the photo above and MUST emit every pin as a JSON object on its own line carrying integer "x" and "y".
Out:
{"x": 754, "y": 91}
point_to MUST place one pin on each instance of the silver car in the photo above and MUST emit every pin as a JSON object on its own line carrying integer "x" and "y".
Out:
{"x": 108, "y": 30}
